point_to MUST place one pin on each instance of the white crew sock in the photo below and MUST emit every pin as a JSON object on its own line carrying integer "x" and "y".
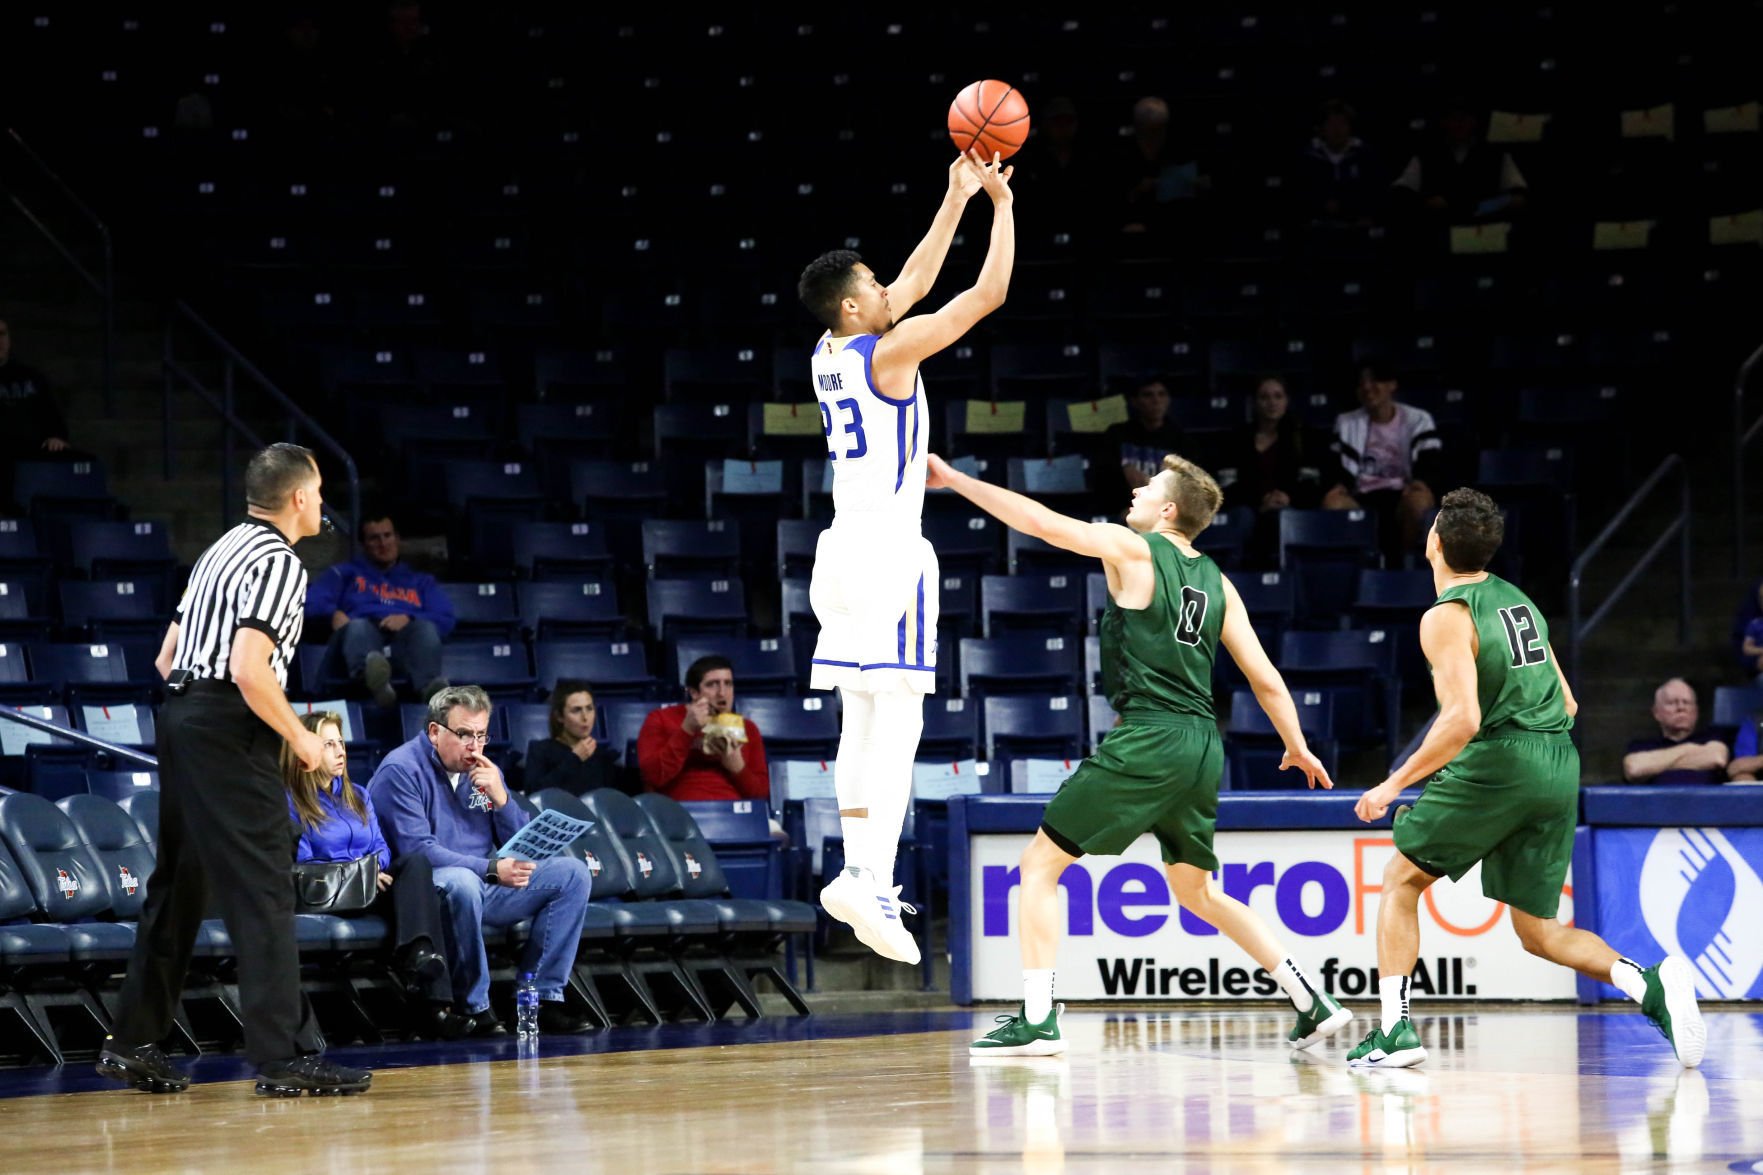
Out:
{"x": 1626, "y": 975}
{"x": 1037, "y": 994}
{"x": 1392, "y": 992}
{"x": 1292, "y": 982}
{"x": 855, "y": 830}
{"x": 850, "y": 779}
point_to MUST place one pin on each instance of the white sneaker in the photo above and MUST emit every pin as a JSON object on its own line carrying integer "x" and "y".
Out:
{"x": 873, "y": 913}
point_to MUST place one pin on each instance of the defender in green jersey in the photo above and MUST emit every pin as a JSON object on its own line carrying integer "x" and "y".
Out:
{"x": 1157, "y": 771}
{"x": 1505, "y": 792}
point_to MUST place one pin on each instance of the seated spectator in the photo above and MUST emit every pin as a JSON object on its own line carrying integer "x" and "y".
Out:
{"x": 334, "y": 821}
{"x": 1276, "y": 460}
{"x": 31, "y": 424}
{"x": 703, "y": 750}
{"x": 1154, "y": 171}
{"x": 1459, "y": 177}
{"x": 1747, "y": 755}
{"x": 1338, "y": 179}
{"x": 1130, "y": 454}
{"x": 440, "y": 797}
{"x": 1682, "y": 752}
{"x": 572, "y": 758}
{"x": 1388, "y": 454}
{"x": 1747, "y": 631}
{"x": 385, "y": 618}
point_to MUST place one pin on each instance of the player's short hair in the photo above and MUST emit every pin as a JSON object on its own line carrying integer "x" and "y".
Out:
{"x": 703, "y": 667}
{"x": 1470, "y": 529}
{"x": 275, "y": 472}
{"x": 1196, "y": 496}
{"x": 827, "y": 281}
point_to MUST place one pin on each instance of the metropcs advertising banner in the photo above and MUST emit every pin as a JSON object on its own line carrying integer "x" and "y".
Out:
{"x": 1125, "y": 938}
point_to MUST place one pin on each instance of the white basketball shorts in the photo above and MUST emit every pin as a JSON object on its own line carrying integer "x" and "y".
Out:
{"x": 875, "y": 595}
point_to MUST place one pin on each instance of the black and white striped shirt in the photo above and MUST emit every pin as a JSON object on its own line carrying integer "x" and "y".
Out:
{"x": 250, "y": 578}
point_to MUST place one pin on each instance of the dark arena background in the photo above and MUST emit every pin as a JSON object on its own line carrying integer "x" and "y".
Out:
{"x": 523, "y": 276}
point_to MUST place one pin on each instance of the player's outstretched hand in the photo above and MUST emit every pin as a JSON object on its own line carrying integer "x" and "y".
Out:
{"x": 936, "y": 474}
{"x": 1375, "y": 802}
{"x": 963, "y": 177}
{"x": 994, "y": 176}
{"x": 1307, "y": 762}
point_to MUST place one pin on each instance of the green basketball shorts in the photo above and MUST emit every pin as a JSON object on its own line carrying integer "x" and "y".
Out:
{"x": 1153, "y": 773}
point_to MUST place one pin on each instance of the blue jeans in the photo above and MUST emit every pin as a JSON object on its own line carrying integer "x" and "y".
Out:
{"x": 556, "y": 899}
{"x": 415, "y": 650}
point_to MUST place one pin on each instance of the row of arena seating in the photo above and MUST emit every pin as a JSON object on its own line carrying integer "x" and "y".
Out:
{"x": 664, "y": 937}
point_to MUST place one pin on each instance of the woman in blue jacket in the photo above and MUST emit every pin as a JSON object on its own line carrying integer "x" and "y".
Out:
{"x": 335, "y": 822}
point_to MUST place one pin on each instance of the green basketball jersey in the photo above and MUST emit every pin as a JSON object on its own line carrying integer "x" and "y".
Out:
{"x": 1516, "y": 680}
{"x": 1158, "y": 659}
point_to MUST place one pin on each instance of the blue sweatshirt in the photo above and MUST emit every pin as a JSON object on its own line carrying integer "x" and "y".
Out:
{"x": 362, "y": 591}
{"x": 422, "y": 811}
{"x": 343, "y": 836}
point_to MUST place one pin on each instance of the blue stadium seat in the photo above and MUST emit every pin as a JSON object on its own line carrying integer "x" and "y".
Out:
{"x": 1228, "y": 536}
{"x": 20, "y": 616}
{"x": 726, "y": 374}
{"x": 558, "y": 433}
{"x": 118, "y": 785}
{"x": 79, "y": 487}
{"x": 763, "y": 665}
{"x": 1542, "y": 469}
{"x": 100, "y": 608}
{"x": 966, "y": 544}
{"x": 617, "y": 669}
{"x": 1019, "y": 664}
{"x": 448, "y": 371}
{"x": 22, "y": 560}
{"x": 483, "y": 610}
{"x": 679, "y": 607}
{"x": 47, "y": 848}
{"x": 1734, "y": 706}
{"x": 618, "y": 489}
{"x": 584, "y": 607}
{"x": 1034, "y": 726}
{"x": 1092, "y": 680}
{"x": 674, "y": 549}
{"x": 499, "y": 666}
{"x": 1049, "y": 604}
{"x": 1388, "y": 597}
{"x": 89, "y": 671}
{"x": 546, "y": 550}
{"x": 1324, "y": 550}
{"x": 624, "y": 720}
{"x": 797, "y": 540}
{"x": 116, "y": 550}
{"x": 474, "y": 485}
{"x": 1359, "y": 667}
{"x": 951, "y": 730}
{"x": 124, "y": 724}
{"x": 794, "y": 728}
{"x": 1027, "y": 555}
{"x": 1100, "y": 718}
{"x": 16, "y": 683}
{"x": 563, "y": 373}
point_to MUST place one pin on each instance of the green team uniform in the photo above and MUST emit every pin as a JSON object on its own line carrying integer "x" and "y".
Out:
{"x": 1158, "y": 771}
{"x": 1510, "y": 799}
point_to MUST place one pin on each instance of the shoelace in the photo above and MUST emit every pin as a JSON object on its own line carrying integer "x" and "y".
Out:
{"x": 1003, "y": 1025}
{"x": 906, "y": 907}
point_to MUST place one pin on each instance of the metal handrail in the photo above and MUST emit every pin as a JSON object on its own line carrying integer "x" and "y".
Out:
{"x": 1742, "y": 436}
{"x": 127, "y": 754}
{"x": 103, "y": 284}
{"x": 1678, "y": 528}
{"x": 225, "y": 406}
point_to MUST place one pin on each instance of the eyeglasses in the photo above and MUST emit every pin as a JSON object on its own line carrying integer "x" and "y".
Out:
{"x": 480, "y": 737}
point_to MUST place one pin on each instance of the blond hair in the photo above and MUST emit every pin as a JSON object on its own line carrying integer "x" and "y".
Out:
{"x": 303, "y": 785}
{"x": 1196, "y": 496}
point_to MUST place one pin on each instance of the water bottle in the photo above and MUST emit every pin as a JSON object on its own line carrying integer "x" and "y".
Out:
{"x": 526, "y": 1004}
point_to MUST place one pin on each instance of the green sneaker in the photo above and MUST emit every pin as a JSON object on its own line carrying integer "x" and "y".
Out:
{"x": 1325, "y": 1018}
{"x": 1017, "y": 1036}
{"x": 1670, "y": 1003}
{"x": 1397, "y": 1049}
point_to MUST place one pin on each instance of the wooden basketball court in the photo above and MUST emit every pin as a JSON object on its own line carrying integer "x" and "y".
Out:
{"x": 1200, "y": 1089}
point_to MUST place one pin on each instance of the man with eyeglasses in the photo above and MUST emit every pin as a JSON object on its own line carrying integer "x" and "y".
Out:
{"x": 441, "y": 796}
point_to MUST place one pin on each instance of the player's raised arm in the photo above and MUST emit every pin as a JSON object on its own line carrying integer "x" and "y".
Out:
{"x": 920, "y": 271}
{"x": 1106, "y": 541}
{"x": 1238, "y": 637}
{"x": 917, "y": 339}
{"x": 1447, "y": 637}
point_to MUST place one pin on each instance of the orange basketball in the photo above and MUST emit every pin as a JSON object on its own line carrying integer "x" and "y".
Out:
{"x": 989, "y": 115}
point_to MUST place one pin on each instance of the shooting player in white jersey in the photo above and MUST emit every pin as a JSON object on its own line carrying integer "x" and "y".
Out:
{"x": 874, "y": 589}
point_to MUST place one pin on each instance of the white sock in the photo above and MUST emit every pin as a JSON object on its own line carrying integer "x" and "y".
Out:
{"x": 1626, "y": 975}
{"x": 850, "y": 780}
{"x": 1292, "y": 982}
{"x": 887, "y": 776}
{"x": 1037, "y": 994}
{"x": 1392, "y": 992}
{"x": 856, "y": 832}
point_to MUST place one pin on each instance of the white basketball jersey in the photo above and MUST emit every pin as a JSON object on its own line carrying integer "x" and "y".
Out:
{"x": 876, "y": 446}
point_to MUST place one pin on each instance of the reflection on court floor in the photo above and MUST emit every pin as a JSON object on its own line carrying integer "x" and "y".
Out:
{"x": 1193, "y": 1089}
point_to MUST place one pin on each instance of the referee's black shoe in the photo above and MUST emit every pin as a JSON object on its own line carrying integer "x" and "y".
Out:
{"x": 143, "y": 1067}
{"x": 310, "y": 1074}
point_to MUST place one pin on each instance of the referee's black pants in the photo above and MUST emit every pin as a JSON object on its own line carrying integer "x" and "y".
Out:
{"x": 223, "y": 833}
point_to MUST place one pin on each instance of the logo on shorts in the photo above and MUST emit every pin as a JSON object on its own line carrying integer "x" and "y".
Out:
{"x": 130, "y": 883}
{"x": 66, "y": 883}
{"x": 1696, "y": 889}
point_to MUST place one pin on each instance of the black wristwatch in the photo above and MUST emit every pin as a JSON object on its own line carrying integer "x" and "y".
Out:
{"x": 490, "y": 876}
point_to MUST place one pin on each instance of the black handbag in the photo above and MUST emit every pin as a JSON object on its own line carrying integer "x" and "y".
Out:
{"x": 336, "y": 887}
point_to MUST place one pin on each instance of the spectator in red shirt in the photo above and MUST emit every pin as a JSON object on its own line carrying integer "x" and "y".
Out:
{"x": 703, "y": 750}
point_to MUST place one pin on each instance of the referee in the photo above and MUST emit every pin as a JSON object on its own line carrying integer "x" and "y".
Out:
{"x": 223, "y": 813}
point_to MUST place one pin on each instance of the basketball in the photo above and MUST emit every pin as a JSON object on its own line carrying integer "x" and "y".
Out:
{"x": 990, "y": 115}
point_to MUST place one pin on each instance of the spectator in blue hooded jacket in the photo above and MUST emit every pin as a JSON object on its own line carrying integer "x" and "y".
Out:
{"x": 385, "y": 618}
